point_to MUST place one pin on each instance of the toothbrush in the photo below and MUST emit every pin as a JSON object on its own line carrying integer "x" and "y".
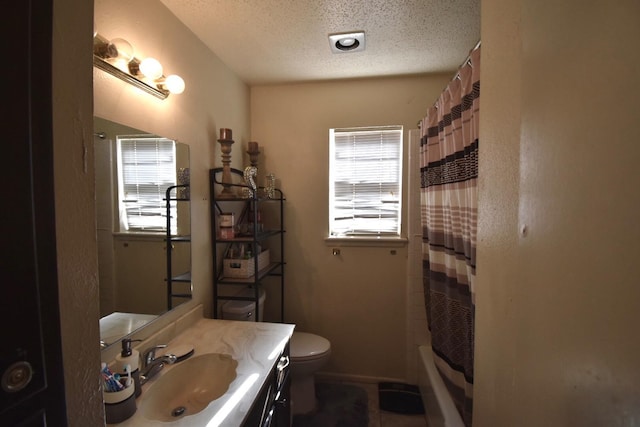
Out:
{"x": 111, "y": 382}
{"x": 127, "y": 369}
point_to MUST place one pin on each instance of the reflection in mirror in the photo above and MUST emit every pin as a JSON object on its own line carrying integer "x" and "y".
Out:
{"x": 133, "y": 170}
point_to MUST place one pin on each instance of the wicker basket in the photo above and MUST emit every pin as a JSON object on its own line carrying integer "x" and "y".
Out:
{"x": 244, "y": 268}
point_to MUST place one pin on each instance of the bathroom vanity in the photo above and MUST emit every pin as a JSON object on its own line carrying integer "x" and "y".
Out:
{"x": 272, "y": 407}
{"x": 258, "y": 394}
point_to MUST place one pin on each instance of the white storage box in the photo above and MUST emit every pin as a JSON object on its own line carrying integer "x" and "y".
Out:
{"x": 244, "y": 268}
{"x": 244, "y": 310}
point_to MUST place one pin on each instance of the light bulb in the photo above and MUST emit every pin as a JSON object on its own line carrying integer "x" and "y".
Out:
{"x": 151, "y": 68}
{"x": 347, "y": 41}
{"x": 124, "y": 49}
{"x": 174, "y": 84}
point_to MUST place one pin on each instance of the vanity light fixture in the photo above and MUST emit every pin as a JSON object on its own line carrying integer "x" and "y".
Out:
{"x": 347, "y": 42}
{"x": 117, "y": 58}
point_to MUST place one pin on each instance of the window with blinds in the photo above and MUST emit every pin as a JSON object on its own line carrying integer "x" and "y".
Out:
{"x": 365, "y": 181}
{"x": 146, "y": 167}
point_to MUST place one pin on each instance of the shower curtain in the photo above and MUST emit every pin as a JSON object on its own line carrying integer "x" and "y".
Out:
{"x": 449, "y": 175}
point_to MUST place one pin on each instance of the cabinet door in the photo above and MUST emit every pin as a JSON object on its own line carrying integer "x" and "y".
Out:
{"x": 282, "y": 404}
{"x": 272, "y": 408}
{"x": 30, "y": 358}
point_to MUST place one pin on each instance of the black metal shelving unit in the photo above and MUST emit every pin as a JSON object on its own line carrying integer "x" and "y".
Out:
{"x": 184, "y": 277}
{"x": 255, "y": 237}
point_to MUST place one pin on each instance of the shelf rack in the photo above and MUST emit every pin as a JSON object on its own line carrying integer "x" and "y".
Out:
{"x": 185, "y": 276}
{"x": 255, "y": 238}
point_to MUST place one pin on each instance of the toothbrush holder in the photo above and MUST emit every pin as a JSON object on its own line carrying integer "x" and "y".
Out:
{"x": 119, "y": 405}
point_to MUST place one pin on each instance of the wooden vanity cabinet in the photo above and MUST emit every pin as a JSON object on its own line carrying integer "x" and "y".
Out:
{"x": 272, "y": 407}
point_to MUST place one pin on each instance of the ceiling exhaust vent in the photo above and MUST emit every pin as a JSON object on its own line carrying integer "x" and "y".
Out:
{"x": 347, "y": 42}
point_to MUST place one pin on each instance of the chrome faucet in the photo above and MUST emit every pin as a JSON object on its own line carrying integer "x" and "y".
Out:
{"x": 151, "y": 364}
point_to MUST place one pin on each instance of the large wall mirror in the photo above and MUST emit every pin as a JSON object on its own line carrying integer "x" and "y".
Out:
{"x": 133, "y": 170}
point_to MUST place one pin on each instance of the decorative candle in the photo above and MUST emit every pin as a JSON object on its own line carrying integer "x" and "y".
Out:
{"x": 253, "y": 147}
{"x": 226, "y": 134}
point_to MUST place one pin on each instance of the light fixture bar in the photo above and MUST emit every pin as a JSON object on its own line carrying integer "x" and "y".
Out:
{"x": 116, "y": 72}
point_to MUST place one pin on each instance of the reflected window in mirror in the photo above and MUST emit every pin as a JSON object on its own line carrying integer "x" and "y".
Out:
{"x": 146, "y": 168}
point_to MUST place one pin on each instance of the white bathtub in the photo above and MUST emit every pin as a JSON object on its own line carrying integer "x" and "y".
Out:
{"x": 439, "y": 408}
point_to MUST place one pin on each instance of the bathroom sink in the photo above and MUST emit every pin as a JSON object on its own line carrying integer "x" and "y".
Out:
{"x": 188, "y": 387}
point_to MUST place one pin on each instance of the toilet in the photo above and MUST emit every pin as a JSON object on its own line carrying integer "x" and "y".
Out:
{"x": 309, "y": 353}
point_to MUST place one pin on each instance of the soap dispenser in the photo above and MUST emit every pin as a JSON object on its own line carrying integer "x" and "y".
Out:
{"x": 131, "y": 357}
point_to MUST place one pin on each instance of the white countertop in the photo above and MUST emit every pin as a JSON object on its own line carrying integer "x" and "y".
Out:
{"x": 255, "y": 345}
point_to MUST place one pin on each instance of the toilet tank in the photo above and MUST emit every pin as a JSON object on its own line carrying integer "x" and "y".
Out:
{"x": 244, "y": 310}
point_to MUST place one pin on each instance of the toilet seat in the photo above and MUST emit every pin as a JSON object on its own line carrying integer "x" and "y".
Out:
{"x": 306, "y": 346}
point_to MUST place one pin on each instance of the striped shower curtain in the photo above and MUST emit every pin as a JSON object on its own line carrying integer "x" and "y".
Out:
{"x": 449, "y": 181}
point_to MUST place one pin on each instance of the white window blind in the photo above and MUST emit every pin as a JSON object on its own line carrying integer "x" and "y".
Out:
{"x": 146, "y": 167}
{"x": 365, "y": 181}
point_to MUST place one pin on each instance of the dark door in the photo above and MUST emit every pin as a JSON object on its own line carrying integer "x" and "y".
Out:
{"x": 32, "y": 392}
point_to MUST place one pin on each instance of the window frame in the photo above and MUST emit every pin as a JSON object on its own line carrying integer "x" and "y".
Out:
{"x": 161, "y": 185}
{"x": 371, "y": 235}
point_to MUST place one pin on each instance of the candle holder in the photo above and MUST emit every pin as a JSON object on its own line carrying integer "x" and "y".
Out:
{"x": 253, "y": 153}
{"x": 226, "y": 142}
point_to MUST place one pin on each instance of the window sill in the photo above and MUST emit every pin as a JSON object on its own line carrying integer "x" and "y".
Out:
{"x": 365, "y": 241}
{"x": 140, "y": 235}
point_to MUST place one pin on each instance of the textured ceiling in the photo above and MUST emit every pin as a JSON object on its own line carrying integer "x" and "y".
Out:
{"x": 275, "y": 41}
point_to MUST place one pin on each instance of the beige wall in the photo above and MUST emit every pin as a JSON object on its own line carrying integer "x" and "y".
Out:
{"x": 356, "y": 300}
{"x": 214, "y": 98}
{"x": 556, "y": 333}
{"x": 74, "y": 206}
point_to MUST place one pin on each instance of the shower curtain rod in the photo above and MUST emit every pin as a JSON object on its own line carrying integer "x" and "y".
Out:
{"x": 457, "y": 74}
{"x": 466, "y": 61}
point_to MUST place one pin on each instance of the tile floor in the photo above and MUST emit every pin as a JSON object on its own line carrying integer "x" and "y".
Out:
{"x": 380, "y": 418}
